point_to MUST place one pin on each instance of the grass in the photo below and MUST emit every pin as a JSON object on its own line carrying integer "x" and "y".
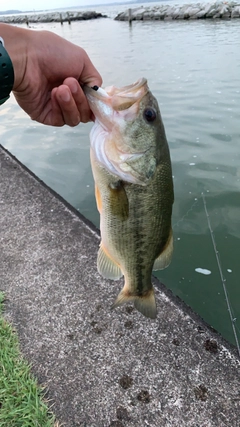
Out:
{"x": 22, "y": 402}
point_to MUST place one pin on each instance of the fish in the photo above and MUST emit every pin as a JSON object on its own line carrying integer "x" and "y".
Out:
{"x": 131, "y": 166}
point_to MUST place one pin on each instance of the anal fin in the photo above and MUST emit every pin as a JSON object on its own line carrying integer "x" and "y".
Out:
{"x": 164, "y": 259}
{"x": 106, "y": 266}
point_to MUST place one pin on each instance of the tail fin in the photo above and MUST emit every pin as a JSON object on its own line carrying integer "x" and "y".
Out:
{"x": 146, "y": 303}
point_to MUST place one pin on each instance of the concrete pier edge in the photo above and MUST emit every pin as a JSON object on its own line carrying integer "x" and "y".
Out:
{"x": 101, "y": 367}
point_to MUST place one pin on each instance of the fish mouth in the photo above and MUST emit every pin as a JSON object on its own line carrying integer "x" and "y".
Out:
{"x": 119, "y": 98}
{"x": 123, "y": 98}
{"x": 107, "y": 103}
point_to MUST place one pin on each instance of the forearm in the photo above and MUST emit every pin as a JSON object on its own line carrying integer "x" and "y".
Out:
{"x": 16, "y": 44}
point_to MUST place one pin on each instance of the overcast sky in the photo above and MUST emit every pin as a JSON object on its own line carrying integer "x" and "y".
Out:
{"x": 46, "y": 4}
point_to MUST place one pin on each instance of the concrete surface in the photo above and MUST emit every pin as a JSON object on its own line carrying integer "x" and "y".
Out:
{"x": 102, "y": 368}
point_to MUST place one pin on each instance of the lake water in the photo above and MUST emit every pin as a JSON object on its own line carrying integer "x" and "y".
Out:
{"x": 193, "y": 68}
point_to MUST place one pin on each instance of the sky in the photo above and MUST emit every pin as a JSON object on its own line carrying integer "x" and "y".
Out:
{"x": 46, "y": 4}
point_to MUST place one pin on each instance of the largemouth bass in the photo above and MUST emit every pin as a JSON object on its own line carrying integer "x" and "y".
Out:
{"x": 134, "y": 190}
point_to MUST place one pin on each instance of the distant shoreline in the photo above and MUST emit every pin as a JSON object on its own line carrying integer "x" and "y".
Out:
{"x": 51, "y": 17}
{"x": 164, "y": 12}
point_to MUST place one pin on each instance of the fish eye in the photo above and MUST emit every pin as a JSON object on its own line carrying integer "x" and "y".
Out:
{"x": 149, "y": 114}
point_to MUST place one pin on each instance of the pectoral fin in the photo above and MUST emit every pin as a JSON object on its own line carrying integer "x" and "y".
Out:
{"x": 106, "y": 266}
{"x": 98, "y": 199}
{"x": 118, "y": 200}
{"x": 164, "y": 259}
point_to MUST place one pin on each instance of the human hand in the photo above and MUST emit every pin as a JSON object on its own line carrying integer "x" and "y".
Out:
{"x": 48, "y": 73}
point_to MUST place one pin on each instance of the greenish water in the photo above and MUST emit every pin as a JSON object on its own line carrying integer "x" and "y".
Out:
{"x": 193, "y": 69}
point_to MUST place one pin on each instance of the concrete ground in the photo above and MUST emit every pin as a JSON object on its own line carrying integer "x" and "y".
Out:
{"x": 102, "y": 368}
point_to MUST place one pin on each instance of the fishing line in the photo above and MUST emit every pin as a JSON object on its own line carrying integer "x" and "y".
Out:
{"x": 186, "y": 214}
{"x": 230, "y": 309}
{"x": 233, "y": 320}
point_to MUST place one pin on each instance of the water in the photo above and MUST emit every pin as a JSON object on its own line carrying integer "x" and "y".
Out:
{"x": 193, "y": 69}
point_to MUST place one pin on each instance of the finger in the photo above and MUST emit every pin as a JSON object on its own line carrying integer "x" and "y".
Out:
{"x": 79, "y": 98}
{"x": 56, "y": 117}
{"x": 66, "y": 102}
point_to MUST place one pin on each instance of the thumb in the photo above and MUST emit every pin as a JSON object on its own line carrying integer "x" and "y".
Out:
{"x": 89, "y": 75}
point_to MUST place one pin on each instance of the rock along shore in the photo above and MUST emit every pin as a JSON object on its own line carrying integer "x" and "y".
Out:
{"x": 51, "y": 17}
{"x": 220, "y": 10}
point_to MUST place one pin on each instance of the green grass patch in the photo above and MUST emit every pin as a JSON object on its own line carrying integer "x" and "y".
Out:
{"x": 22, "y": 401}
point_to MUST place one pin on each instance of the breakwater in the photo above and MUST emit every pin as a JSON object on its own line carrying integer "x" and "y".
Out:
{"x": 51, "y": 17}
{"x": 217, "y": 10}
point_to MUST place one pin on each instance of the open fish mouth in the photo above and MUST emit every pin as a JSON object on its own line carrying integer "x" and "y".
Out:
{"x": 123, "y": 98}
{"x": 130, "y": 93}
{"x": 105, "y": 102}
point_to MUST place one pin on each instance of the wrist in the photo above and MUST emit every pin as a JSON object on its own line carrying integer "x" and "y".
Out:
{"x": 16, "y": 44}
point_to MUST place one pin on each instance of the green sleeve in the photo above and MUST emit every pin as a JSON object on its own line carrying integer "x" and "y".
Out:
{"x": 6, "y": 74}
